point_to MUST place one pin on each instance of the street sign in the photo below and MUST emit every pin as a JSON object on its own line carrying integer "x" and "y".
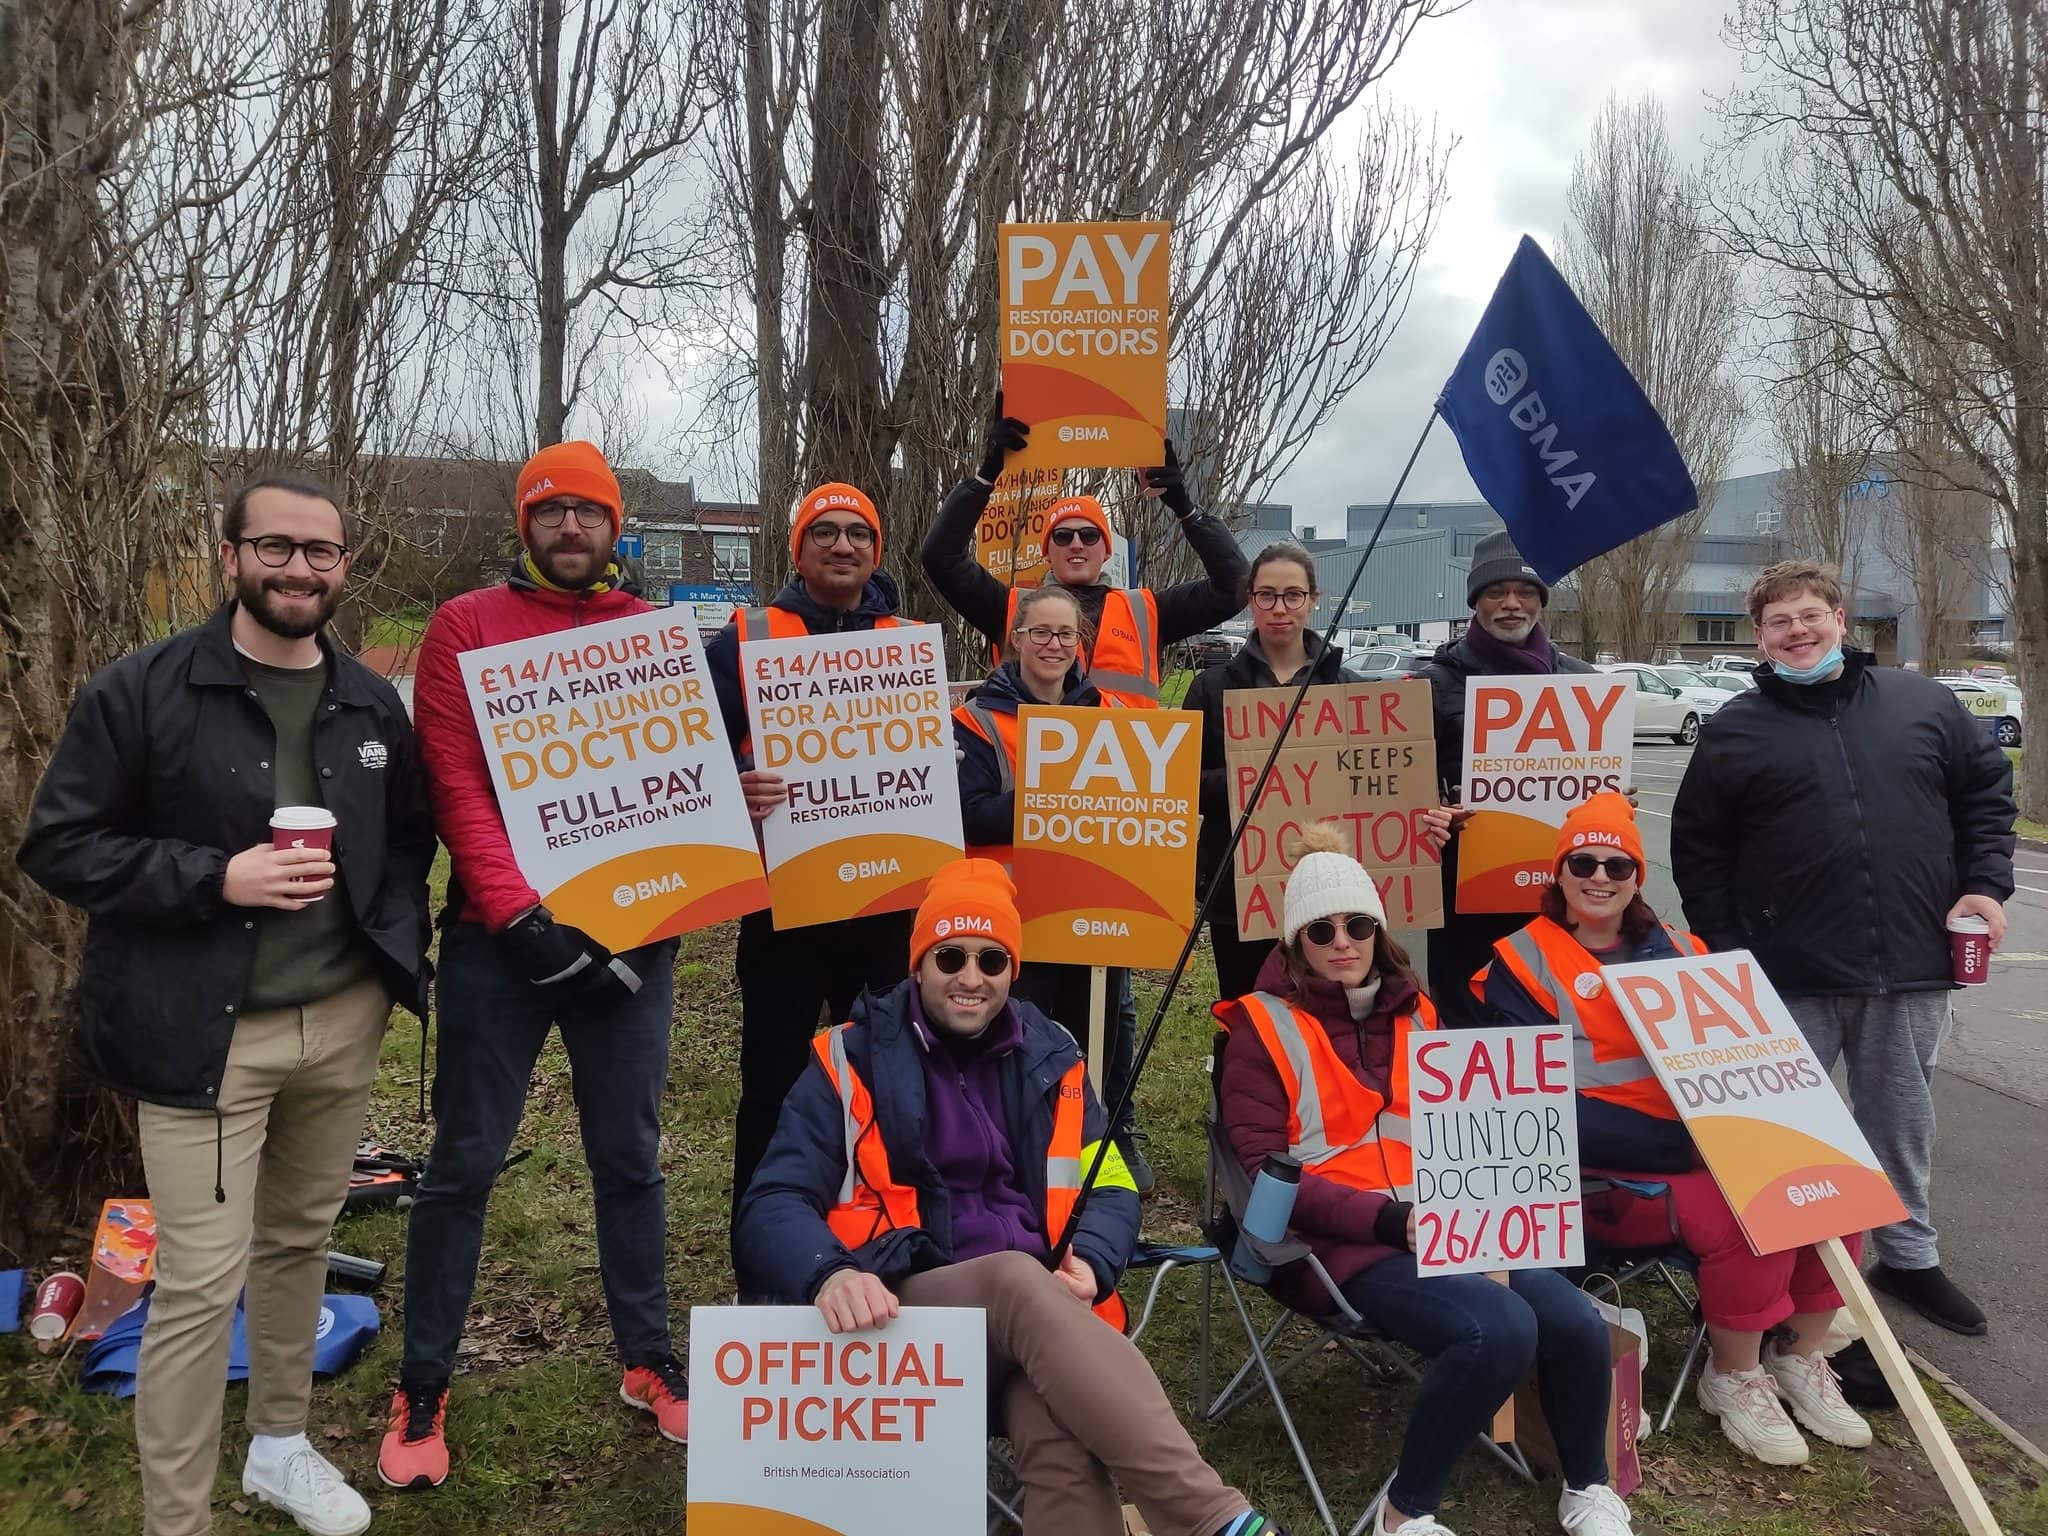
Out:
{"x": 631, "y": 545}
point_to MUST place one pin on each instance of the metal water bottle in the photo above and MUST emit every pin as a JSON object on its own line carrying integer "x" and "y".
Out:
{"x": 1266, "y": 1214}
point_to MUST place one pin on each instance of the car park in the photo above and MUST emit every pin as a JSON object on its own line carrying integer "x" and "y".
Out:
{"x": 1995, "y": 704}
{"x": 1386, "y": 663}
{"x": 1664, "y": 709}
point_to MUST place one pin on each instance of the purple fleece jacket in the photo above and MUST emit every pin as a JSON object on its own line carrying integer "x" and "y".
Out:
{"x": 967, "y": 1138}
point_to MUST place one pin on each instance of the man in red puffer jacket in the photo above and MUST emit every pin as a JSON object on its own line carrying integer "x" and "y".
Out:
{"x": 509, "y": 973}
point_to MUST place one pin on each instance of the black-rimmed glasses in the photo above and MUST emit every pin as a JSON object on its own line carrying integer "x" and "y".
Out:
{"x": 276, "y": 551}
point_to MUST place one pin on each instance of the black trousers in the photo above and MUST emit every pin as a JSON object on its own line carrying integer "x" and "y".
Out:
{"x": 789, "y": 980}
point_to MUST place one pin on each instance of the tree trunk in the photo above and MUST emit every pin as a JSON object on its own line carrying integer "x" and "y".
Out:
{"x": 775, "y": 429}
{"x": 551, "y": 409}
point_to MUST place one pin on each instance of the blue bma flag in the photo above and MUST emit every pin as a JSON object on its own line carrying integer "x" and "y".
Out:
{"x": 1556, "y": 432}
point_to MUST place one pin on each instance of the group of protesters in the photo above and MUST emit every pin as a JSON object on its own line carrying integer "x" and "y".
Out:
{"x": 928, "y": 1146}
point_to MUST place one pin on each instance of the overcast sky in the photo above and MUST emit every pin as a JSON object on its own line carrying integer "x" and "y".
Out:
{"x": 1519, "y": 82}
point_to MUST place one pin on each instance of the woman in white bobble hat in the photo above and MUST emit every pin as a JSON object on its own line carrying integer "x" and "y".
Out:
{"x": 1316, "y": 1066}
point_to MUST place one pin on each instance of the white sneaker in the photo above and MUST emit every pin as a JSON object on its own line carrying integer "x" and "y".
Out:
{"x": 1809, "y": 1384}
{"x": 1414, "y": 1525}
{"x": 1746, "y": 1403}
{"x": 1594, "y": 1511}
{"x": 309, "y": 1488}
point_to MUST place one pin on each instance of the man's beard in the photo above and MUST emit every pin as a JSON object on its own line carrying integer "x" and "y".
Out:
{"x": 551, "y": 566}
{"x": 255, "y": 595}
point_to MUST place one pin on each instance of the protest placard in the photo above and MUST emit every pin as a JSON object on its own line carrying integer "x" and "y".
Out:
{"x": 1495, "y": 1133}
{"x": 860, "y": 728}
{"x": 1766, "y": 1118}
{"x": 1105, "y": 833}
{"x": 798, "y": 1431}
{"x": 1009, "y": 535}
{"x": 1361, "y": 756}
{"x": 1085, "y": 342}
{"x": 1535, "y": 748}
{"x": 615, "y": 778}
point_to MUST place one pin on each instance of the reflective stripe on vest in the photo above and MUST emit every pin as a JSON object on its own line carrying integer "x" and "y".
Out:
{"x": 1124, "y": 670}
{"x": 1607, "y": 1062}
{"x": 1337, "y": 1126}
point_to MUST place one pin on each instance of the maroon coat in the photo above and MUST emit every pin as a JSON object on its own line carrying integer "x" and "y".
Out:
{"x": 1335, "y": 1220}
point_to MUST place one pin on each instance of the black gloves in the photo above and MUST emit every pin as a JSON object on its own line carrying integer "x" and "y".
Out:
{"x": 567, "y": 960}
{"x": 1006, "y": 434}
{"x": 1167, "y": 481}
{"x": 1390, "y": 1225}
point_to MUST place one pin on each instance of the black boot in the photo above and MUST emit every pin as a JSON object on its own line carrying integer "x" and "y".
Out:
{"x": 1862, "y": 1378}
{"x": 1933, "y": 1295}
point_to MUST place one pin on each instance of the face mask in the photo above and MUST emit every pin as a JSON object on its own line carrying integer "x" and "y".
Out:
{"x": 1816, "y": 673}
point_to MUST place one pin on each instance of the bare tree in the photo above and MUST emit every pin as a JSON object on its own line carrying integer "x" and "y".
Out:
{"x": 1668, "y": 301}
{"x": 1822, "y": 433}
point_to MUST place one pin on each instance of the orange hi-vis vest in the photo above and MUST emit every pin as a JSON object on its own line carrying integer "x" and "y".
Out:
{"x": 999, "y": 729}
{"x": 776, "y": 624}
{"x": 1124, "y": 662}
{"x": 872, "y": 1202}
{"x": 1337, "y": 1127}
{"x": 1563, "y": 977}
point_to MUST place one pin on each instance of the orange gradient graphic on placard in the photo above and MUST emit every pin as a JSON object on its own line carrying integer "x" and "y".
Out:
{"x": 1503, "y": 862}
{"x": 857, "y": 877}
{"x": 748, "y": 1520}
{"x": 657, "y": 893}
{"x": 1790, "y": 1189}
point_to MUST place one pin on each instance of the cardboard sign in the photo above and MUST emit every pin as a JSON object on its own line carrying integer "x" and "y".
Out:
{"x": 1085, "y": 341}
{"x": 1361, "y": 756}
{"x": 1535, "y": 748}
{"x": 615, "y": 778}
{"x": 860, "y": 728}
{"x": 1767, "y": 1120}
{"x": 1105, "y": 833}
{"x": 1009, "y": 535}
{"x": 1495, "y": 1132}
{"x": 798, "y": 1431}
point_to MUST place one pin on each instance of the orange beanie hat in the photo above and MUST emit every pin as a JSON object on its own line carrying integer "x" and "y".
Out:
{"x": 573, "y": 468}
{"x": 1073, "y": 509}
{"x": 970, "y": 898}
{"x": 1605, "y": 821}
{"x": 833, "y": 496}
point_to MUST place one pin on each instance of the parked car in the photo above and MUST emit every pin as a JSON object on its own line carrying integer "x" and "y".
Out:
{"x": 1665, "y": 709}
{"x": 1211, "y": 650}
{"x": 1732, "y": 663}
{"x": 1991, "y": 702}
{"x": 1387, "y": 663}
{"x": 1729, "y": 682}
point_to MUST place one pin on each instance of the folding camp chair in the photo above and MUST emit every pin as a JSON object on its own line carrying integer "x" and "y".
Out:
{"x": 1610, "y": 1268}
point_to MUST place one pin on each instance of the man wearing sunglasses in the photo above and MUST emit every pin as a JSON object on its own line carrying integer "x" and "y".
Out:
{"x": 238, "y": 990}
{"x": 510, "y": 974}
{"x": 973, "y": 1124}
{"x": 789, "y": 978}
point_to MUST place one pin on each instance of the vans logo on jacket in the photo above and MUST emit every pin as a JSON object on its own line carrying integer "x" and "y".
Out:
{"x": 373, "y": 754}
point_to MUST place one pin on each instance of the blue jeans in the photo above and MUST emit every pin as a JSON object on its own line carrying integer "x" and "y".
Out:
{"x": 493, "y": 1022}
{"x": 1483, "y": 1338}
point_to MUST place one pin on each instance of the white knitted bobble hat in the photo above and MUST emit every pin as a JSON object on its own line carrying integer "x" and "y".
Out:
{"x": 1323, "y": 885}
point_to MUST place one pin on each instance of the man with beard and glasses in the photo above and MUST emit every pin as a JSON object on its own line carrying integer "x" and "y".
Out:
{"x": 509, "y": 973}
{"x": 238, "y": 990}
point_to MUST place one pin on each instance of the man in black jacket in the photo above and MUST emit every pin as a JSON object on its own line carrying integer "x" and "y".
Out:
{"x": 240, "y": 990}
{"x": 1505, "y": 638}
{"x": 1832, "y": 821}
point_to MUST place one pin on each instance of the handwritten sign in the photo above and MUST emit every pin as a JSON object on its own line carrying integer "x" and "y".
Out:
{"x": 798, "y": 1431}
{"x": 1009, "y": 535}
{"x": 1535, "y": 748}
{"x": 1105, "y": 833}
{"x": 1496, "y": 1140}
{"x": 1766, "y": 1118}
{"x": 1361, "y": 756}
{"x": 615, "y": 779}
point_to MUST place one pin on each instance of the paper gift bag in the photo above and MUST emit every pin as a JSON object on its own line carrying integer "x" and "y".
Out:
{"x": 1624, "y": 1415}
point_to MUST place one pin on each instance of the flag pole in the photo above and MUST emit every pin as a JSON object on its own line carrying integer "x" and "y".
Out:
{"x": 1223, "y": 868}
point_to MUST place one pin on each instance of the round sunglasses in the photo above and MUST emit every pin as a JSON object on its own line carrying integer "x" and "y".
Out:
{"x": 1582, "y": 866}
{"x": 951, "y": 960}
{"x": 1322, "y": 933}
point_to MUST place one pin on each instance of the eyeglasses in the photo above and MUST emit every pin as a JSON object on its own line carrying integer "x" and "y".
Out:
{"x": 1618, "y": 868}
{"x": 276, "y": 551}
{"x": 1783, "y": 622}
{"x": 1322, "y": 933}
{"x": 1292, "y": 600}
{"x": 825, "y": 535}
{"x": 1045, "y": 634}
{"x": 1085, "y": 534}
{"x": 951, "y": 960}
{"x": 550, "y": 514}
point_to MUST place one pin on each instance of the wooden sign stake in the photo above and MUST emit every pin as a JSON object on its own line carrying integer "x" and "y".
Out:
{"x": 1098, "y": 1000}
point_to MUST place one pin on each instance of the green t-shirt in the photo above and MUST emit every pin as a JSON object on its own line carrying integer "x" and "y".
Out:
{"x": 314, "y": 953}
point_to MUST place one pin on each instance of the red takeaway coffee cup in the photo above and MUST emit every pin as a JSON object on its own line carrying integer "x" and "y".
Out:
{"x": 302, "y": 826}
{"x": 58, "y": 1299}
{"x": 1969, "y": 949}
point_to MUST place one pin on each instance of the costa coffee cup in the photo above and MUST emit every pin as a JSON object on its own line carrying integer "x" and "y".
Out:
{"x": 1969, "y": 950}
{"x": 302, "y": 826}
{"x": 57, "y": 1302}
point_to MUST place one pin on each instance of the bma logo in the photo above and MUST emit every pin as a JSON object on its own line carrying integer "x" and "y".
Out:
{"x": 326, "y": 1324}
{"x": 1084, "y": 434}
{"x": 868, "y": 869}
{"x": 969, "y": 924}
{"x": 1808, "y": 1194}
{"x": 644, "y": 890}
{"x": 1605, "y": 839}
{"x": 373, "y": 754}
{"x": 541, "y": 489}
{"x": 1097, "y": 928}
{"x": 1506, "y": 372}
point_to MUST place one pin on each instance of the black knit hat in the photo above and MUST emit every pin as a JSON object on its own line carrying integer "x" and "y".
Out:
{"x": 1496, "y": 559}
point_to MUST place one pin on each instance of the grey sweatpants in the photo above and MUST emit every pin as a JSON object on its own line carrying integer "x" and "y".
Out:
{"x": 1891, "y": 1042}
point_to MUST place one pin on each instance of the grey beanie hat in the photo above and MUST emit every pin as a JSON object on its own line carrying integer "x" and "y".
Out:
{"x": 1496, "y": 559}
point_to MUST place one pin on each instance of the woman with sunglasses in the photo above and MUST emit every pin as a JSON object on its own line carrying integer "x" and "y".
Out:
{"x": 1337, "y": 1002}
{"x": 1549, "y": 973}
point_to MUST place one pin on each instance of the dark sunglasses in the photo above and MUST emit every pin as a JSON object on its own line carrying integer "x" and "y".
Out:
{"x": 1582, "y": 866}
{"x": 951, "y": 960}
{"x": 1323, "y": 933}
{"x": 1087, "y": 534}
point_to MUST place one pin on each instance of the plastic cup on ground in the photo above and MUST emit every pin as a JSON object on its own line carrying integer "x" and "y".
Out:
{"x": 1969, "y": 949}
{"x": 302, "y": 826}
{"x": 58, "y": 1299}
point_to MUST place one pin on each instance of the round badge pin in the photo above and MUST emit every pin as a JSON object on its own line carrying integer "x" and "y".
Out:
{"x": 1589, "y": 986}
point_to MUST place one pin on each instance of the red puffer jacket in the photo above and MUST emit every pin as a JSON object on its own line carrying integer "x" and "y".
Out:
{"x": 487, "y": 886}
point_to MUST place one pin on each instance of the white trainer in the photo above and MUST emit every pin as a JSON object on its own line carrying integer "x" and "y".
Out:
{"x": 309, "y": 1488}
{"x": 1809, "y": 1384}
{"x": 1414, "y": 1525}
{"x": 1746, "y": 1403}
{"x": 1594, "y": 1511}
